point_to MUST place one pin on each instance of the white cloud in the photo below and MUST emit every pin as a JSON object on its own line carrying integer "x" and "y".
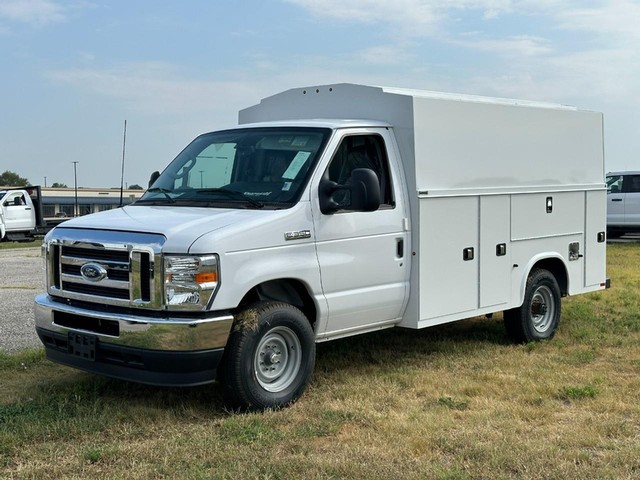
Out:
{"x": 33, "y": 12}
{"x": 514, "y": 46}
{"x": 613, "y": 20}
{"x": 153, "y": 88}
{"x": 407, "y": 17}
{"x": 384, "y": 55}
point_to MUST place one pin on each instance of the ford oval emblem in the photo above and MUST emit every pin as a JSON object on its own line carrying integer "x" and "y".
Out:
{"x": 93, "y": 272}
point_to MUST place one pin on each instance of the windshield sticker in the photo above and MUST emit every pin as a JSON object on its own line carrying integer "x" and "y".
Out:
{"x": 286, "y": 187}
{"x": 299, "y": 142}
{"x": 257, "y": 194}
{"x": 295, "y": 165}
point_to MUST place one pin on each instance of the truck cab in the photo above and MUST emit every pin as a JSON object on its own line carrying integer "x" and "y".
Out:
{"x": 17, "y": 212}
{"x": 623, "y": 203}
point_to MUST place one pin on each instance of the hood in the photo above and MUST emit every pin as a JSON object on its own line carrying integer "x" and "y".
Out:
{"x": 181, "y": 225}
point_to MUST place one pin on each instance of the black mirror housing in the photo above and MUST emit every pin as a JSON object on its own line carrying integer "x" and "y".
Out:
{"x": 361, "y": 193}
{"x": 365, "y": 190}
{"x": 153, "y": 178}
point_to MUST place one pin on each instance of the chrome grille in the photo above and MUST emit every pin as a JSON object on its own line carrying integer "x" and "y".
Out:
{"x": 124, "y": 272}
{"x": 117, "y": 264}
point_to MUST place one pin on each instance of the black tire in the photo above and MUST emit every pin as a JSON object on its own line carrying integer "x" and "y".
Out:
{"x": 269, "y": 357}
{"x": 539, "y": 316}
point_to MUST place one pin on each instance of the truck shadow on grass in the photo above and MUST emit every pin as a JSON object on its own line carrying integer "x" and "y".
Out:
{"x": 56, "y": 401}
{"x": 397, "y": 346}
{"x": 67, "y": 393}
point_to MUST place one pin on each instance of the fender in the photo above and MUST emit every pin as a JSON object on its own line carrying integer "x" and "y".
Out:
{"x": 535, "y": 260}
{"x": 243, "y": 271}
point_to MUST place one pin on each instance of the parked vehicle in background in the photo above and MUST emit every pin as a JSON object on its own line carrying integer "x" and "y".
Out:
{"x": 21, "y": 213}
{"x": 623, "y": 203}
{"x": 331, "y": 211}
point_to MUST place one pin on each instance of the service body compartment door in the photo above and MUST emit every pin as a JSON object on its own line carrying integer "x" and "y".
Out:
{"x": 595, "y": 246}
{"x": 449, "y": 257}
{"x": 495, "y": 250}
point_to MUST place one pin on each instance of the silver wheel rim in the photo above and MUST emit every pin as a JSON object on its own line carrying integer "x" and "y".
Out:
{"x": 542, "y": 309}
{"x": 278, "y": 359}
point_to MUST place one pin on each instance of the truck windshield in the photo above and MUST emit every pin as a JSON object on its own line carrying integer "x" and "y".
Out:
{"x": 244, "y": 168}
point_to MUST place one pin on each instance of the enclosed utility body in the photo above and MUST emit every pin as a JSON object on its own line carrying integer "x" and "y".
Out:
{"x": 494, "y": 187}
{"x": 331, "y": 211}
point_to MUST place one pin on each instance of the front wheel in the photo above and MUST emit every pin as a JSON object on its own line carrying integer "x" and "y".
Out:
{"x": 539, "y": 316}
{"x": 269, "y": 357}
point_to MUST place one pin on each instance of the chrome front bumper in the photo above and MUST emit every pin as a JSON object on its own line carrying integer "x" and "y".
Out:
{"x": 167, "y": 350}
{"x": 166, "y": 333}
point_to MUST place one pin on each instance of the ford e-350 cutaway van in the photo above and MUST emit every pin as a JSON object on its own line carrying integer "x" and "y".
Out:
{"x": 331, "y": 211}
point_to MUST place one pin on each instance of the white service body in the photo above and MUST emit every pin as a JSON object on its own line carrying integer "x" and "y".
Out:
{"x": 469, "y": 172}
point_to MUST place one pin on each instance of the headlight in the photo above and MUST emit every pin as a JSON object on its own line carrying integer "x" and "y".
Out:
{"x": 190, "y": 281}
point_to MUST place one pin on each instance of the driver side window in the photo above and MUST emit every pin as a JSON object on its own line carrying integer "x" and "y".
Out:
{"x": 362, "y": 151}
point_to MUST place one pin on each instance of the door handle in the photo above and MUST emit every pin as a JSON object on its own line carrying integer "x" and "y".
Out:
{"x": 400, "y": 248}
{"x": 616, "y": 199}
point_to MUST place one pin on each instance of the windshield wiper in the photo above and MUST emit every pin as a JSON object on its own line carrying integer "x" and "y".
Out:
{"x": 163, "y": 191}
{"x": 233, "y": 194}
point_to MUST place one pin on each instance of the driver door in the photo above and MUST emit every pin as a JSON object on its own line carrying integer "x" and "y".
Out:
{"x": 363, "y": 256}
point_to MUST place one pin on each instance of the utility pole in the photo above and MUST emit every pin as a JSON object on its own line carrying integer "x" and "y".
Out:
{"x": 45, "y": 181}
{"x": 124, "y": 143}
{"x": 75, "y": 182}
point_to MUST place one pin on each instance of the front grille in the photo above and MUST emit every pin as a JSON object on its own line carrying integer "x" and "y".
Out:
{"x": 83, "y": 266}
{"x": 96, "y": 290}
{"x": 116, "y": 263}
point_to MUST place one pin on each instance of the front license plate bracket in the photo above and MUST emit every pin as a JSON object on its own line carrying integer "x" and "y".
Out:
{"x": 82, "y": 346}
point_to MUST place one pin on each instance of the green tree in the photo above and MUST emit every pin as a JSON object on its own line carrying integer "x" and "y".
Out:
{"x": 135, "y": 186}
{"x": 59, "y": 185}
{"x": 12, "y": 179}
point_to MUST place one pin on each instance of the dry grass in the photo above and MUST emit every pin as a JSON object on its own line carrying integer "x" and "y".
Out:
{"x": 11, "y": 245}
{"x": 454, "y": 402}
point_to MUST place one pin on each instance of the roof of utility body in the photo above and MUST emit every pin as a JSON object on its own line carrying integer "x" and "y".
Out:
{"x": 461, "y": 97}
{"x": 332, "y": 123}
{"x": 625, "y": 172}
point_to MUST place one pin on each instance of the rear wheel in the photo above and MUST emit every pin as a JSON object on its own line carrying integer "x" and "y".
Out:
{"x": 539, "y": 316}
{"x": 269, "y": 357}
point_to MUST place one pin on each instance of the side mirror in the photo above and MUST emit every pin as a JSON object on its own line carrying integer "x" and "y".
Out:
{"x": 365, "y": 190}
{"x": 154, "y": 177}
{"x": 361, "y": 193}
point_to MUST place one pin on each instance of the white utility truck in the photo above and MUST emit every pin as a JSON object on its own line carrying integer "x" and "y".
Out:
{"x": 20, "y": 213}
{"x": 331, "y": 211}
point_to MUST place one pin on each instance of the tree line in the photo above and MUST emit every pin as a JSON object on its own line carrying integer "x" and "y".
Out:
{"x": 12, "y": 179}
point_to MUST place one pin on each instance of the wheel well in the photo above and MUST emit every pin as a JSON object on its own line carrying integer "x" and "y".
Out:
{"x": 285, "y": 290}
{"x": 558, "y": 270}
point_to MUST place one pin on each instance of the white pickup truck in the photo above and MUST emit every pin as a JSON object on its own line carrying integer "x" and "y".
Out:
{"x": 623, "y": 203}
{"x": 20, "y": 213}
{"x": 331, "y": 211}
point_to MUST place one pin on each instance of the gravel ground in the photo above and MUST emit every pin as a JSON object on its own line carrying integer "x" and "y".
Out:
{"x": 21, "y": 279}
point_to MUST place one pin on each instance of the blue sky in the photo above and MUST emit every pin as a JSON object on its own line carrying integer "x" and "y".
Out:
{"x": 72, "y": 71}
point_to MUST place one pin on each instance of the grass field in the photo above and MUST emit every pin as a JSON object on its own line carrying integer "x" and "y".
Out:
{"x": 452, "y": 402}
{"x": 10, "y": 245}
